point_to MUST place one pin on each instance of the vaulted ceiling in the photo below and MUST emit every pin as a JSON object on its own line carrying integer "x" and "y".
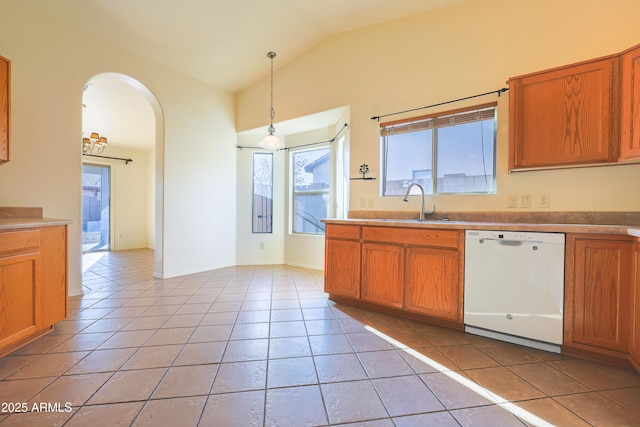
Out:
{"x": 221, "y": 42}
{"x": 225, "y": 42}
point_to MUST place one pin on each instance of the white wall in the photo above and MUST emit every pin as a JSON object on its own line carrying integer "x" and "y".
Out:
{"x": 50, "y": 66}
{"x": 150, "y": 180}
{"x": 470, "y": 48}
{"x": 259, "y": 248}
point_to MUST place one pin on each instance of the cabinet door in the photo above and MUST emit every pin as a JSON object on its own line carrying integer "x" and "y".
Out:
{"x": 630, "y": 105}
{"x": 342, "y": 267}
{"x": 635, "y": 342}
{"x": 383, "y": 274}
{"x": 4, "y": 110}
{"x": 432, "y": 283}
{"x": 18, "y": 297}
{"x": 563, "y": 116}
{"x": 601, "y": 294}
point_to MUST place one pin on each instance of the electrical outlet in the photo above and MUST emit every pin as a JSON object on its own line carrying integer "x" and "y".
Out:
{"x": 512, "y": 201}
{"x": 363, "y": 203}
{"x": 525, "y": 201}
{"x": 370, "y": 202}
{"x": 543, "y": 200}
{"x": 261, "y": 245}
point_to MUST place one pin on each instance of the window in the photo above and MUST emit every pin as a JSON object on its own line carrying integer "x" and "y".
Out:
{"x": 311, "y": 175}
{"x": 262, "y": 214}
{"x": 451, "y": 152}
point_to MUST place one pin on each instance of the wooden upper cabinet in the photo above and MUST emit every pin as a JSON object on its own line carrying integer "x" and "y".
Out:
{"x": 630, "y": 104}
{"x": 564, "y": 116}
{"x": 5, "y": 66}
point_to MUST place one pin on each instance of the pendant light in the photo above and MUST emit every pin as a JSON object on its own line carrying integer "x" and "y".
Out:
{"x": 271, "y": 142}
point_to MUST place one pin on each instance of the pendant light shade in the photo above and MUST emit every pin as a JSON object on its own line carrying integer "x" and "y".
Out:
{"x": 271, "y": 142}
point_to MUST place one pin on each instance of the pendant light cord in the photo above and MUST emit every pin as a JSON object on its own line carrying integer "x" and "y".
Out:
{"x": 272, "y": 112}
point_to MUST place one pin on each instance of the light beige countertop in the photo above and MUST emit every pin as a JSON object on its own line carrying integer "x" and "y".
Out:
{"x": 507, "y": 226}
{"x": 13, "y": 223}
{"x": 13, "y": 218}
{"x": 623, "y": 223}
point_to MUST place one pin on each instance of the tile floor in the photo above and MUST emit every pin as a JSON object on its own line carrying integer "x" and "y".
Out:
{"x": 262, "y": 346}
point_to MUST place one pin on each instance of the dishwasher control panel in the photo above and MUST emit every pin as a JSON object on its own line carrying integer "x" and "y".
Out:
{"x": 522, "y": 236}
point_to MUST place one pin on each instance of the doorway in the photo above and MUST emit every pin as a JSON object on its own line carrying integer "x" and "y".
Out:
{"x": 129, "y": 115}
{"x": 96, "y": 208}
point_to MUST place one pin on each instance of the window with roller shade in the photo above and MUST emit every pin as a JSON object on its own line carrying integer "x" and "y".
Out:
{"x": 447, "y": 153}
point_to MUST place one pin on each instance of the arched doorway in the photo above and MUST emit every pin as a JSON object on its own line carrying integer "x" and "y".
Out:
{"x": 125, "y": 111}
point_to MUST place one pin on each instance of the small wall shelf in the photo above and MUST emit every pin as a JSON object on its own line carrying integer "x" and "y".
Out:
{"x": 364, "y": 170}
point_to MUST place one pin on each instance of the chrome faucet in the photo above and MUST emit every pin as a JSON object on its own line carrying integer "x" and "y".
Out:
{"x": 422, "y": 212}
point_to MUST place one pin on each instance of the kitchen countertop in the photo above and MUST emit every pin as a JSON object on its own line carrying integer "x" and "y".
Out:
{"x": 623, "y": 230}
{"x": 13, "y": 223}
{"x": 26, "y": 217}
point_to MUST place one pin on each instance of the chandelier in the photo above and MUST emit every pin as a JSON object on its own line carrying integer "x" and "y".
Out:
{"x": 95, "y": 144}
{"x": 271, "y": 142}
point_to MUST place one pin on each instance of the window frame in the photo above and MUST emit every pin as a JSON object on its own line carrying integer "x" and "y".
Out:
{"x": 328, "y": 193}
{"x": 269, "y": 228}
{"x": 433, "y": 122}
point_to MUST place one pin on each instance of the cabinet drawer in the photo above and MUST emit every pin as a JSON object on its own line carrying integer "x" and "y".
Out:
{"x": 19, "y": 240}
{"x": 337, "y": 231}
{"x": 412, "y": 236}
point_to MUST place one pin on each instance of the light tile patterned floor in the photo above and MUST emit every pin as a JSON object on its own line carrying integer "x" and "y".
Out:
{"x": 262, "y": 346}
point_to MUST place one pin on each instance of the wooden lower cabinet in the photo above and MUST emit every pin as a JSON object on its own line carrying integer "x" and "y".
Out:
{"x": 383, "y": 274}
{"x": 599, "y": 295}
{"x": 33, "y": 283}
{"x": 19, "y": 302}
{"x": 433, "y": 285}
{"x": 53, "y": 274}
{"x": 415, "y": 272}
{"x": 342, "y": 260}
{"x": 635, "y": 338}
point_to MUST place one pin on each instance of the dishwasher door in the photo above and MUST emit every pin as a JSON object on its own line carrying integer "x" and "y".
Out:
{"x": 514, "y": 285}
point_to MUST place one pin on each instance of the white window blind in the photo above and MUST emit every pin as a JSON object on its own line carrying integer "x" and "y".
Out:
{"x": 417, "y": 124}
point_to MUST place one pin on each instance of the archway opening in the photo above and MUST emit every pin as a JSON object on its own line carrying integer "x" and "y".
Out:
{"x": 126, "y": 113}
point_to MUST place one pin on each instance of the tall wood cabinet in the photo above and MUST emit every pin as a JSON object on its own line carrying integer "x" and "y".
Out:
{"x": 599, "y": 294}
{"x": 5, "y": 87}
{"x": 33, "y": 283}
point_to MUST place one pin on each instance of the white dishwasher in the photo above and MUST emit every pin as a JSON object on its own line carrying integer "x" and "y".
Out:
{"x": 514, "y": 286}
